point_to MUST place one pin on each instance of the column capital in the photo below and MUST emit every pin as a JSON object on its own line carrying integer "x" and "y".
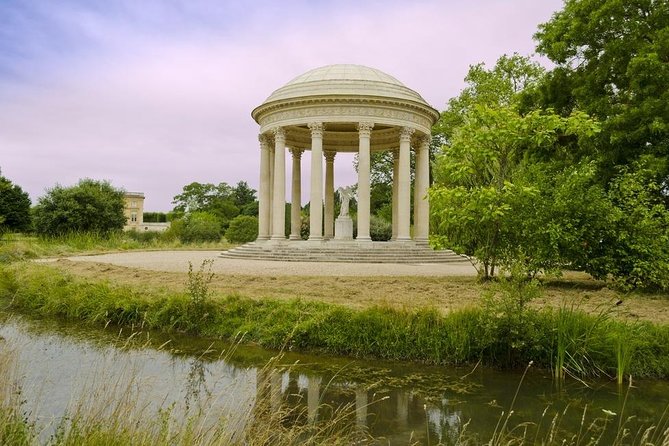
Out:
{"x": 365, "y": 128}
{"x": 422, "y": 141}
{"x": 297, "y": 153}
{"x": 405, "y": 134}
{"x": 265, "y": 141}
{"x": 329, "y": 155}
{"x": 279, "y": 133}
{"x": 316, "y": 129}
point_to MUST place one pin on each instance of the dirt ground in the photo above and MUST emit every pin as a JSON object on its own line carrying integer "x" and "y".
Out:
{"x": 444, "y": 292}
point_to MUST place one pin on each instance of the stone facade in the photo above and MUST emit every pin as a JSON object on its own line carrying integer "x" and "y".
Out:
{"x": 133, "y": 210}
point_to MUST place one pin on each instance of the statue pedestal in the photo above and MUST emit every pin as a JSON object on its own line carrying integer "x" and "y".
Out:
{"x": 343, "y": 228}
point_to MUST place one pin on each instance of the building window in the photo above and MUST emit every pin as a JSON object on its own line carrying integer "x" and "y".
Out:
{"x": 133, "y": 204}
{"x": 133, "y": 217}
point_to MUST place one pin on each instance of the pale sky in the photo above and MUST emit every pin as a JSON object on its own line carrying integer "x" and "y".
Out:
{"x": 152, "y": 95}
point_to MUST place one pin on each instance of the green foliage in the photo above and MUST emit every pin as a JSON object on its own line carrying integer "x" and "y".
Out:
{"x": 506, "y": 332}
{"x": 500, "y": 86}
{"x": 196, "y": 227}
{"x": 479, "y": 190}
{"x": 380, "y": 230}
{"x": 199, "y": 294}
{"x": 242, "y": 229}
{"x": 89, "y": 206}
{"x": 154, "y": 217}
{"x": 14, "y": 207}
{"x": 510, "y": 328}
{"x": 223, "y": 201}
{"x": 611, "y": 58}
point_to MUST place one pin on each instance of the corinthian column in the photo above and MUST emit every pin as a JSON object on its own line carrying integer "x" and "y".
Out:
{"x": 328, "y": 233}
{"x": 421, "y": 201}
{"x": 396, "y": 169}
{"x": 365, "y": 133}
{"x": 296, "y": 196}
{"x": 316, "y": 200}
{"x": 264, "y": 198}
{"x": 279, "y": 199}
{"x": 404, "y": 187}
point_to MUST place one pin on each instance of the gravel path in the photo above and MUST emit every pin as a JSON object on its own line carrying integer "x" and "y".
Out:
{"x": 177, "y": 261}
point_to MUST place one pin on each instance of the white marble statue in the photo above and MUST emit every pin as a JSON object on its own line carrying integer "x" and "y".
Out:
{"x": 346, "y": 193}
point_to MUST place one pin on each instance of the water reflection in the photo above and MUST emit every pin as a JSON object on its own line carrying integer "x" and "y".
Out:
{"x": 61, "y": 363}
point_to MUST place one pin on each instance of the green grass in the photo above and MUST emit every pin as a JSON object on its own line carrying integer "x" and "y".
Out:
{"x": 591, "y": 343}
{"x": 16, "y": 247}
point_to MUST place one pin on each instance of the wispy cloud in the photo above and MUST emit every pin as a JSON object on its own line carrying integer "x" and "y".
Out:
{"x": 155, "y": 94}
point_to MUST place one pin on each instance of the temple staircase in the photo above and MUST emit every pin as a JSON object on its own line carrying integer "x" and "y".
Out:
{"x": 343, "y": 251}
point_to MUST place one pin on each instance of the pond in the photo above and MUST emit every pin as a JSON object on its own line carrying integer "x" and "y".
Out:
{"x": 64, "y": 366}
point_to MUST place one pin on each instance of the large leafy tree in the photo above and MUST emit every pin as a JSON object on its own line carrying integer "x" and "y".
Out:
{"x": 612, "y": 60}
{"x": 14, "y": 207}
{"x": 223, "y": 201}
{"x": 89, "y": 206}
{"x": 481, "y": 190}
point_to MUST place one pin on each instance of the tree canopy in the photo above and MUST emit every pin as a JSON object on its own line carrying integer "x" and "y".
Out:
{"x": 525, "y": 186}
{"x": 14, "y": 207}
{"x": 89, "y": 206}
{"x": 612, "y": 60}
{"x": 223, "y": 201}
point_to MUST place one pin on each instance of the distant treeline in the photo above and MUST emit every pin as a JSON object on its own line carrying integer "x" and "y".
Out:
{"x": 156, "y": 217}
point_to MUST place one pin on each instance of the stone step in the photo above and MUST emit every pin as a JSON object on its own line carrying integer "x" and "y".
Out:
{"x": 338, "y": 251}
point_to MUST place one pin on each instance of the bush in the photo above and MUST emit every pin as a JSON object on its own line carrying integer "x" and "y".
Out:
{"x": 242, "y": 229}
{"x": 380, "y": 230}
{"x": 90, "y": 206}
{"x": 197, "y": 227}
{"x": 144, "y": 236}
{"x": 14, "y": 207}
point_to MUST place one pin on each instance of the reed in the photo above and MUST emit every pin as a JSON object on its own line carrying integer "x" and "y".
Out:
{"x": 570, "y": 341}
{"x": 113, "y": 406}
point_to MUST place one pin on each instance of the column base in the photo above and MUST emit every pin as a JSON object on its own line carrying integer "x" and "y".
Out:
{"x": 262, "y": 238}
{"x": 294, "y": 237}
{"x": 421, "y": 240}
{"x": 279, "y": 238}
{"x": 315, "y": 238}
{"x": 363, "y": 239}
{"x": 402, "y": 239}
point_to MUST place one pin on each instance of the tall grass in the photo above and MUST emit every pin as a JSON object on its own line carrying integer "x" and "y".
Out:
{"x": 16, "y": 247}
{"x": 459, "y": 337}
{"x": 110, "y": 409}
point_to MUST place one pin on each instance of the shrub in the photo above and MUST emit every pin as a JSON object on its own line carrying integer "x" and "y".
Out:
{"x": 380, "y": 230}
{"x": 198, "y": 227}
{"x": 90, "y": 206}
{"x": 242, "y": 229}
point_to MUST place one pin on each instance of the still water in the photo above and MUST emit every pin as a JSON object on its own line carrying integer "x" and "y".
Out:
{"x": 62, "y": 364}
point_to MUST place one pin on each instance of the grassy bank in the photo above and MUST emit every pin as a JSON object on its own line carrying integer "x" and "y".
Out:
{"x": 15, "y": 247}
{"x": 499, "y": 333}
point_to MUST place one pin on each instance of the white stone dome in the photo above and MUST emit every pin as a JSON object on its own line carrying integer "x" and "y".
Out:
{"x": 344, "y": 80}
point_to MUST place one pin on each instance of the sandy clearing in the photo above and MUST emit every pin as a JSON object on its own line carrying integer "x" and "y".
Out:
{"x": 177, "y": 261}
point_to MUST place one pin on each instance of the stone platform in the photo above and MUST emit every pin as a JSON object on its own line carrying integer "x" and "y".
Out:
{"x": 343, "y": 251}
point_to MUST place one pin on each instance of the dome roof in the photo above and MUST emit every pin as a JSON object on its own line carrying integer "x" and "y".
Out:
{"x": 345, "y": 80}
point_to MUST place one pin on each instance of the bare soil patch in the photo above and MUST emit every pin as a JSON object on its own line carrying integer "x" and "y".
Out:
{"x": 444, "y": 293}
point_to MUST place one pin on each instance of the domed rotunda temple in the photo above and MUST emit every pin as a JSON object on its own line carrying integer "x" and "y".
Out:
{"x": 332, "y": 109}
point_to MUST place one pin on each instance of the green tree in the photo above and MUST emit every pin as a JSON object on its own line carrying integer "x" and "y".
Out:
{"x": 479, "y": 188}
{"x": 243, "y": 195}
{"x": 14, "y": 207}
{"x": 223, "y": 201}
{"x": 612, "y": 60}
{"x": 502, "y": 86}
{"x": 89, "y": 206}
